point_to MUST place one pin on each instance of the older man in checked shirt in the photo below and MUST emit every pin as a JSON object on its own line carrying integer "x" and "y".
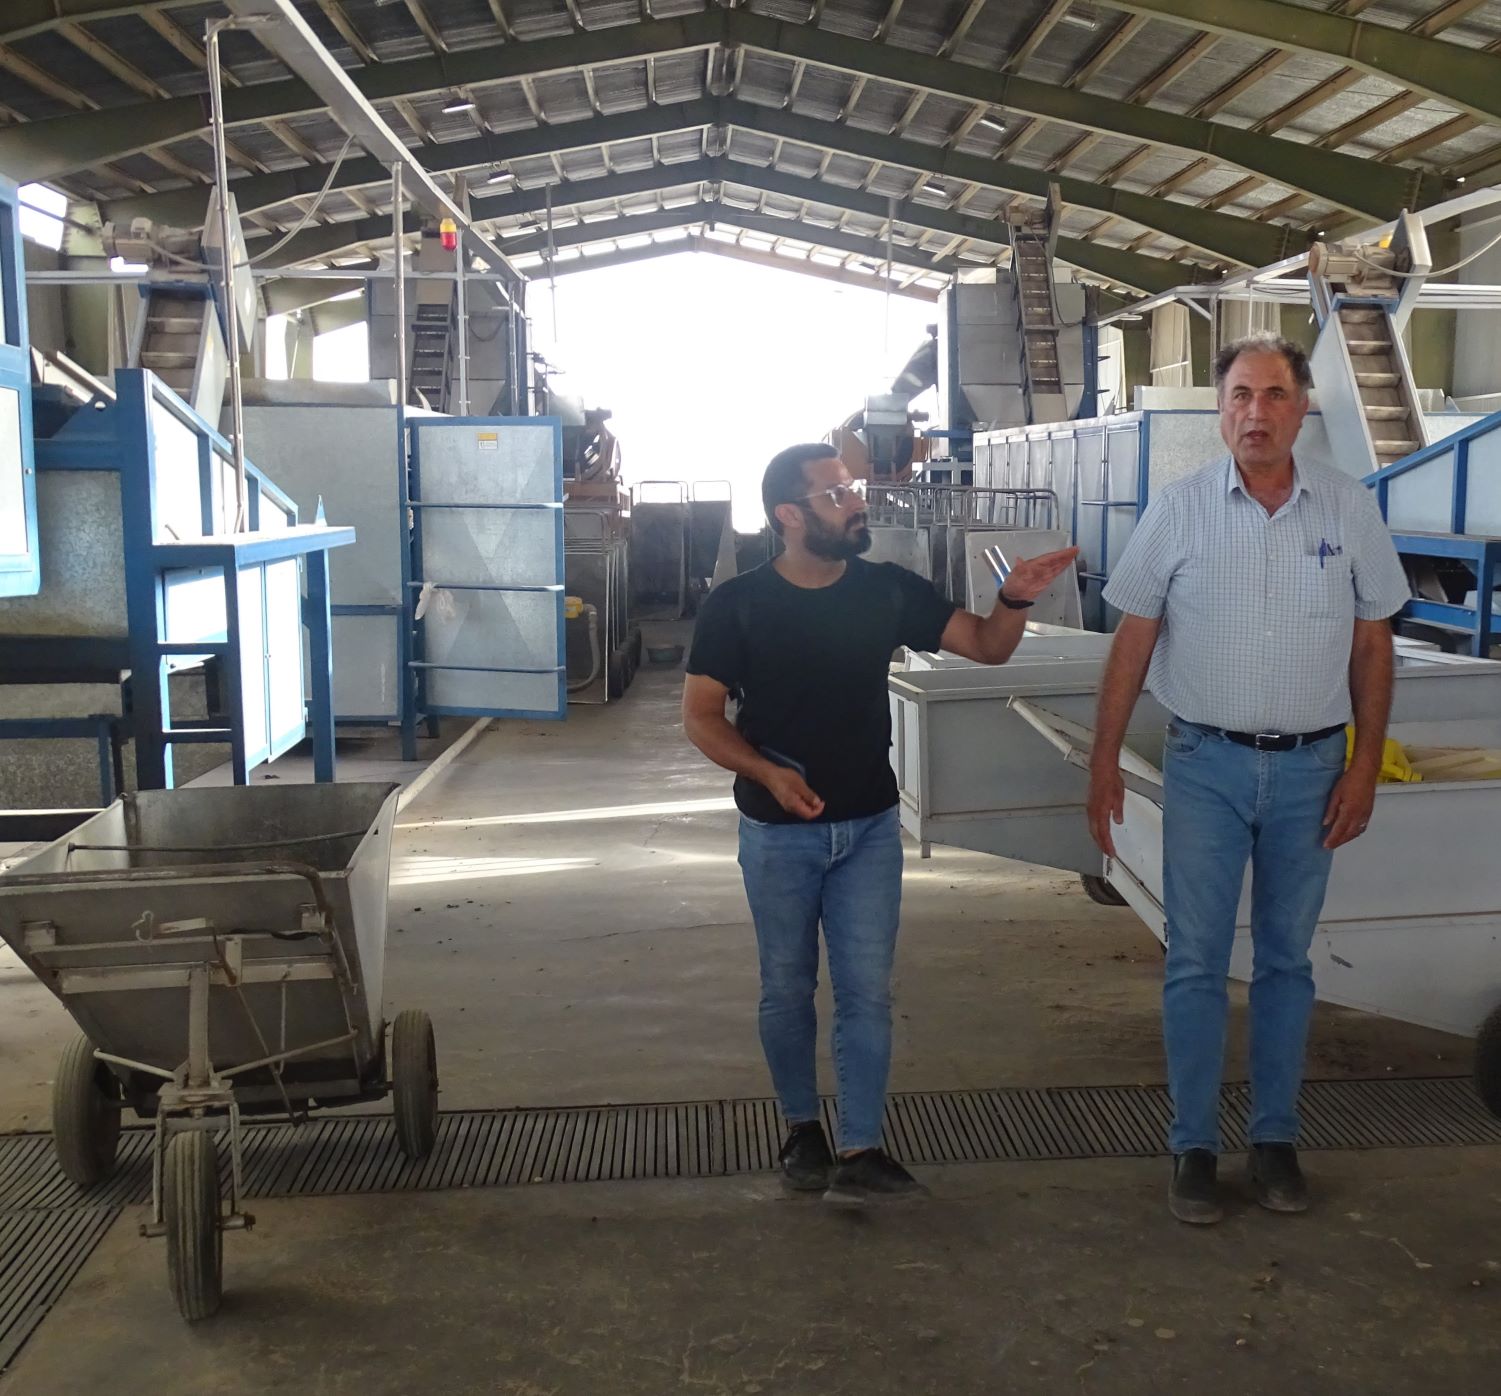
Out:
{"x": 1255, "y": 599}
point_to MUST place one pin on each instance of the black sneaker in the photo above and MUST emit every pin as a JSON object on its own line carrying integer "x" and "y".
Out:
{"x": 1193, "y": 1195}
{"x": 1279, "y": 1182}
{"x": 872, "y": 1175}
{"x": 806, "y": 1159}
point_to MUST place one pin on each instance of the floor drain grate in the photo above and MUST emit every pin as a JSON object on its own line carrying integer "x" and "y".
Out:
{"x": 499, "y": 1148}
{"x": 40, "y": 1253}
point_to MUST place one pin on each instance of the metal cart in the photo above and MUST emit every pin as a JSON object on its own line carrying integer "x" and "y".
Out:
{"x": 222, "y": 951}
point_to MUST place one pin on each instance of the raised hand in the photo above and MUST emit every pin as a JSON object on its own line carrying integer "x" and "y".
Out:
{"x": 1031, "y": 576}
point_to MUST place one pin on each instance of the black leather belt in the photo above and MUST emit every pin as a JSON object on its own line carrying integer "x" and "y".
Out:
{"x": 1275, "y": 741}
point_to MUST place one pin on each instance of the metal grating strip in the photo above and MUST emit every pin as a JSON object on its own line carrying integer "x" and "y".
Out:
{"x": 40, "y": 1253}
{"x": 340, "y": 1154}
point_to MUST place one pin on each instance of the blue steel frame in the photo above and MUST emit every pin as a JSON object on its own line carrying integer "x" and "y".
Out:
{"x": 20, "y": 573}
{"x": 104, "y": 728}
{"x": 415, "y": 576}
{"x": 121, "y": 438}
{"x": 1482, "y": 555}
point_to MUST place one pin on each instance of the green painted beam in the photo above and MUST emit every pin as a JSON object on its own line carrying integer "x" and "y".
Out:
{"x": 713, "y": 213}
{"x": 1466, "y": 78}
{"x": 63, "y": 145}
{"x": 66, "y": 144}
{"x": 186, "y": 208}
{"x": 289, "y": 293}
{"x": 1362, "y": 186}
{"x": 331, "y": 238}
{"x": 23, "y": 18}
{"x": 1131, "y": 269}
{"x": 659, "y": 178}
{"x": 696, "y": 242}
{"x": 1220, "y": 235}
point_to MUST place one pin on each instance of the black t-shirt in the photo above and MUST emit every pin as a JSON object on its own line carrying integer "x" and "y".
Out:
{"x": 808, "y": 668}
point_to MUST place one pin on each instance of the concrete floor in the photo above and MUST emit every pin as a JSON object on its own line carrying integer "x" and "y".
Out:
{"x": 565, "y": 901}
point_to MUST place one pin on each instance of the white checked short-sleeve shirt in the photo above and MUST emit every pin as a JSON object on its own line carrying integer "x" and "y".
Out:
{"x": 1258, "y": 612}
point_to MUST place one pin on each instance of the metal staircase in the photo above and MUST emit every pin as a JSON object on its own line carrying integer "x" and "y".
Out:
{"x": 432, "y": 369}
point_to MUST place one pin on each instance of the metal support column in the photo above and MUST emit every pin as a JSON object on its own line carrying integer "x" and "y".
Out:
{"x": 462, "y": 309}
{"x": 317, "y": 617}
{"x": 398, "y": 251}
{"x": 227, "y": 278}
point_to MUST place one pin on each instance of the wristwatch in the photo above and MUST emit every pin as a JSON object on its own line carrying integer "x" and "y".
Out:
{"x": 1009, "y": 604}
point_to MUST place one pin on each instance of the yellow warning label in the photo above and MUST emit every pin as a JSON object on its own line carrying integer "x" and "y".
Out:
{"x": 489, "y": 440}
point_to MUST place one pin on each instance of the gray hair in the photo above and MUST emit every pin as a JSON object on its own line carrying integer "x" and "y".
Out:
{"x": 1297, "y": 360}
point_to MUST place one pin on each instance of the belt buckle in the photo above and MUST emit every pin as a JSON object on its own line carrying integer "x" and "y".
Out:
{"x": 1270, "y": 741}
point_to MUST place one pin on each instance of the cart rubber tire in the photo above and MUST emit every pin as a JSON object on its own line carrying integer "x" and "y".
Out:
{"x": 85, "y": 1114}
{"x": 414, "y": 1082}
{"x": 1098, "y": 890}
{"x": 1488, "y": 1062}
{"x": 190, "y": 1210}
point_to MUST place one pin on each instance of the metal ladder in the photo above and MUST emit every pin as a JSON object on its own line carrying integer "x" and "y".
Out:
{"x": 432, "y": 367}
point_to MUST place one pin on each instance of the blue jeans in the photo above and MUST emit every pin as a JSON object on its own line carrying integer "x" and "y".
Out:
{"x": 847, "y": 875}
{"x": 1222, "y": 804}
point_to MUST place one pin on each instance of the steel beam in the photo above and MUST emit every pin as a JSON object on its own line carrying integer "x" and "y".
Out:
{"x": 697, "y": 242}
{"x": 1355, "y": 184}
{"x": 1220, "y": 235}
{"x": 59, "y": 146}
{"x": 608, "y": 230}
{"x": 185, "y": 207}
{"x": 286, "y": 34}
{"x": 65, "y": 144}
{"x": 1146, "y": 274}
{"x": 1469, "y": 79}
{"x": 23, "y": 18}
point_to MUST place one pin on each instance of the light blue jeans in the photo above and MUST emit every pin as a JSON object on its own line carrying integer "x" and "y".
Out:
{"x": 847, "y": 876}
{"x": 1223, "y": 804}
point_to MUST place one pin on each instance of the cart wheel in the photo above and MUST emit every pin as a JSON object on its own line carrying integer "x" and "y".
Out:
{"x": 414, "y": 1082}
{"x": 85, "y": 1114}
{"x": 615, "y": 679}
{"x": 1098, "y": 890}
{"x": 1488, "y": 1062}
{"x": 638, "y": 648}
{"x": 190, "y": 1209}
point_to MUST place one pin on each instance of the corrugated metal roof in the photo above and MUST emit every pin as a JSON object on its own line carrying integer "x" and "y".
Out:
{"x": 390, "y": 33}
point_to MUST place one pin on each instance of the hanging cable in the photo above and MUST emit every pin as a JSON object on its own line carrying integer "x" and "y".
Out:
{"x": 311, "y": 210}
{"x": 1439, "y": 271}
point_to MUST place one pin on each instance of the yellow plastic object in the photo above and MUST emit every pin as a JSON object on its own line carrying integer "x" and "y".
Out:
{"x": 1395, "y": 767}
{"x": 573, "y": 607}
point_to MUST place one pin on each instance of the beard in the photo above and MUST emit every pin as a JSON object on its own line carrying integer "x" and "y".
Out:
{"x": 839, "y": 545}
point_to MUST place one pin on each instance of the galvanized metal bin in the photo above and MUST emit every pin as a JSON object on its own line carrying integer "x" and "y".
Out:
{"x": 222, "y": 950}
{"x": 1411, "y": 924}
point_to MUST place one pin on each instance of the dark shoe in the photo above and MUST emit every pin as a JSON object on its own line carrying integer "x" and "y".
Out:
{"x": 1279, "y": 1182}
{"x": 806, "y": 1159}
{"x": 1193, "y": 1195}
{"x": 872, "y": 1175}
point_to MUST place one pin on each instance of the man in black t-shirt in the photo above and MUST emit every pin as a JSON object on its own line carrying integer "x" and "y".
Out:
{"x": 803, "y": 644}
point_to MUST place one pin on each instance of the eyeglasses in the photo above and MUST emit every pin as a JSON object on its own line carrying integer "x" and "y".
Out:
{"x": 844, "y": 496}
